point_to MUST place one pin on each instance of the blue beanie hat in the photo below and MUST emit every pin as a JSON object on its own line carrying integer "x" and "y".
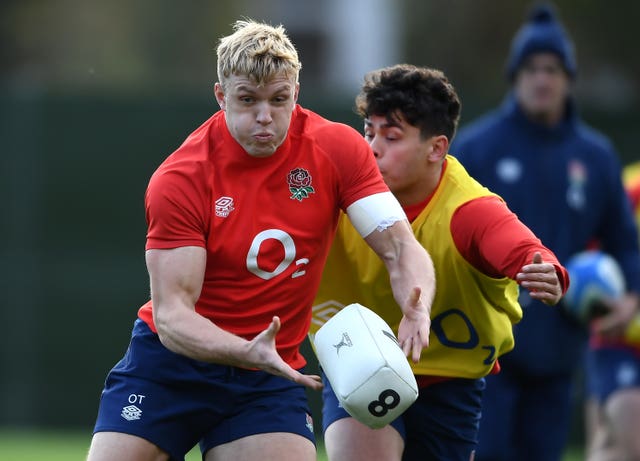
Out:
{"x": 541, "y": 33}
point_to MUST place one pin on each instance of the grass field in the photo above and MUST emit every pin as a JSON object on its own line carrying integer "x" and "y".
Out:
{"x": 72, "y": 446}
{"x": 22, "y": 445}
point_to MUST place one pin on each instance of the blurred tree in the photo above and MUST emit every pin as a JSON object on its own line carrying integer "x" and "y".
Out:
{"x": 114, "y": 45}
{"x": 152, "y": 45}
{"x": 470, "y": 40}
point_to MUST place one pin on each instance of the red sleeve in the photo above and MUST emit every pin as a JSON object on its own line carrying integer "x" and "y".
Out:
{"x": 175, "y": 209}
{"x": 494, "y": 241}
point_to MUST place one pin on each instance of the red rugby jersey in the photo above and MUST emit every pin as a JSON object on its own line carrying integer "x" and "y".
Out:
{"x": 266, "y": 223}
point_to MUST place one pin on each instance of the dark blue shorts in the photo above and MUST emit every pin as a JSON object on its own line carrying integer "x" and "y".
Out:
{"x": 176, "y": 402}
{"x": 442, "y": 424}
{"x": 609, "y": 370}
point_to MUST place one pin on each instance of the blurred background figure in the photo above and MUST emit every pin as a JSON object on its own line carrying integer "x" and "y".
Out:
{"x": 612, "y": 407}
{"x": 563, "y": 179}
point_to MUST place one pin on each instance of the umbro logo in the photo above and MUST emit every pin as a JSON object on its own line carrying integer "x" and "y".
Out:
{"x": 224, "y": 206}
{"x": 131, "y": 413}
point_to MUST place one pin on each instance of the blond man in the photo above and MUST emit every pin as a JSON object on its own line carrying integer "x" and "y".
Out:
{"x": 240, "y": 220}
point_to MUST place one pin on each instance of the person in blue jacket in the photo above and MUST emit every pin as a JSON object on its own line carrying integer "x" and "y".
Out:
{"x": 563, "y": 180}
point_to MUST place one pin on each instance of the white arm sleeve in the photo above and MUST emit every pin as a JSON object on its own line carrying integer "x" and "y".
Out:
{"x": 377, "y": 211}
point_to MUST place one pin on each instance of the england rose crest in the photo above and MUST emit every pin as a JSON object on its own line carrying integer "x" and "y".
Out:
{"x": 299, "y": 184}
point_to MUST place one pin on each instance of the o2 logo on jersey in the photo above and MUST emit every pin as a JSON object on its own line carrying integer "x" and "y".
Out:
{"x": 387, "y": 400}
{"x": 289, "y": 255}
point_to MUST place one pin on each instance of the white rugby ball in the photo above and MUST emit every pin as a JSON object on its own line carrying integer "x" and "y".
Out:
{"x": 365, "y": 365}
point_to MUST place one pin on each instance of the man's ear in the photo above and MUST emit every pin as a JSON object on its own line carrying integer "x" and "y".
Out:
{"x": 219, "y": 94}
{"x": 439, "y": 148}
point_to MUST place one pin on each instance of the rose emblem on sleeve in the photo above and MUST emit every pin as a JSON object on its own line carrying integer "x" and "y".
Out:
{"x": 299, "y": 181}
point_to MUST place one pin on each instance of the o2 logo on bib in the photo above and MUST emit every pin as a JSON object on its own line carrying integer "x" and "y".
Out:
{"x": 387, "y": 400}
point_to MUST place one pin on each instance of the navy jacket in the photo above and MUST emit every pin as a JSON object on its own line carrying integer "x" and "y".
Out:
{"x": 564, "y": 182}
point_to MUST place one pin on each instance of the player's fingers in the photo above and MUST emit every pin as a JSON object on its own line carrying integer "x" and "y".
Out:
{"x": 545, "y": 281}
{"x": 417, "y": 351}
{"x": 537, "y": 258}
{"x": 549, "y": 286}
{"x": 543, "y": 290}
{"x": 273, "y": 327}
{"x": 424, "y": 335}
{"x": 311, "y": 381}
{"x": 548, "y": 298}
{"x": 406, "y": 347}
{"x": 279, "y": 367}
{"x": 537, "y": 268}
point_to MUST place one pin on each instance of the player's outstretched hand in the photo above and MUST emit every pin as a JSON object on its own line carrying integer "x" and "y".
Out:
{"x": 262, "y": 354}
{"x": 541, "y": 280}
{"x": 413, "y": 332}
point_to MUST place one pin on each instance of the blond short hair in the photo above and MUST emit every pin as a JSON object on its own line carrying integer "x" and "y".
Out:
{"x": 257, "y": 50}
